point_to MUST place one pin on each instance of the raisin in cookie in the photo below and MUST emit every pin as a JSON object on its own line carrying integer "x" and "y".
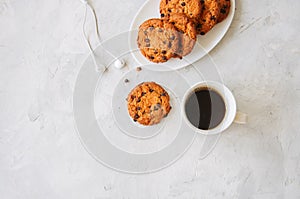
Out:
{"x": 158, "y": 40}
{"x": 224, "y": 9}
{"x": 187, "y": 32}
{"x": 192, "y": 8}
{"x": 209, "y": 17}
{"x": 148, "y": 103}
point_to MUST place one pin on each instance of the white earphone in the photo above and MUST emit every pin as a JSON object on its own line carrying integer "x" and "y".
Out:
{"x": 119, "y": 63}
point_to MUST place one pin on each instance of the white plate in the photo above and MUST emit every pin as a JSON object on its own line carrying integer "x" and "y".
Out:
{"x": 204, "y": 43}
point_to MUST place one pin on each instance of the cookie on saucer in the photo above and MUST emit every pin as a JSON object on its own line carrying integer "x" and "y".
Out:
{"x": 148, "y": 103}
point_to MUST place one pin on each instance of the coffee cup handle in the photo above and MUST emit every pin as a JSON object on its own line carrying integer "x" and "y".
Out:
{"x": 240, "y": 118}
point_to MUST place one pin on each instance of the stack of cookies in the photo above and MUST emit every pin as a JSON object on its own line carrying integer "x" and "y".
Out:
{"x": 175, "y": 33}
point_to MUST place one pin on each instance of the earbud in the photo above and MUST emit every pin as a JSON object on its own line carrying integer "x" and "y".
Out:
{"x": 119, "y": 63}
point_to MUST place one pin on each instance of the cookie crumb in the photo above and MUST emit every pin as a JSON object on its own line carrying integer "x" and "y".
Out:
{"x": 126, "y": 80}
{"x": 138, "y": 68}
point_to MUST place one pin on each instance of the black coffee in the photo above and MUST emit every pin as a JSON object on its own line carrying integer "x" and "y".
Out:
{"x": 205, "y": 108}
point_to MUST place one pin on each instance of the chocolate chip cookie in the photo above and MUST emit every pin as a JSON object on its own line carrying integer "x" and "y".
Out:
{"x": 224, "y": 9}
{"x": 192, "y": 8}
{"x": 158, "y": 40}
{"x": 148, "y": 103}
{"x": 209, "y": 17}
{"x": 187, "y": 32}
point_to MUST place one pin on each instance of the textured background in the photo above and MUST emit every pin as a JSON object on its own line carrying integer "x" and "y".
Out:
{"x": 41, "y": 50}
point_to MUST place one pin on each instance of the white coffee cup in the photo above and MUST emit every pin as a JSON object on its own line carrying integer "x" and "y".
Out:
{"x": 231, "y": 115}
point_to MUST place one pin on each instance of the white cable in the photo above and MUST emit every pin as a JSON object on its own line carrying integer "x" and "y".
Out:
{"x": 118, "y": 63}
{"x": 99, "y": 67}
{"x": 96, "y": 22}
